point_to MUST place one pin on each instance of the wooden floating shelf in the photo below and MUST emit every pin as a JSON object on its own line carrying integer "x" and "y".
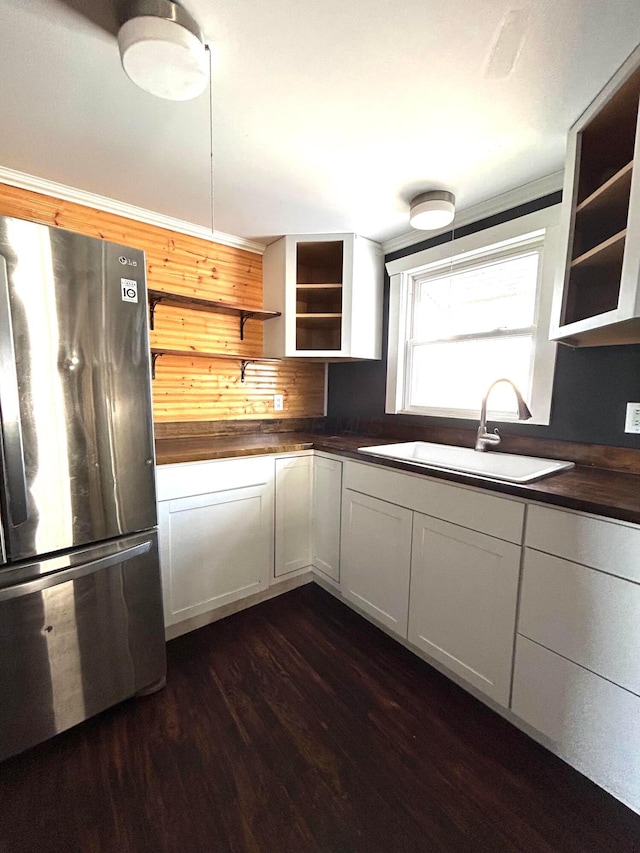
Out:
{"x": 616, "y": 188}
{"x": 244, "y": 360}
{"x": 195, "y": 303}
{"x": 608, "y": 252}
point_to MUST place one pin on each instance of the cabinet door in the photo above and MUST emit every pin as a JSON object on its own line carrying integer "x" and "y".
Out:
{"x": 464, "y": 588}
{"x": 215, "y": 549}
{"x": 293, "y": 514}
{"x": 375, "y": 558}
{"x": 325, "y": 524}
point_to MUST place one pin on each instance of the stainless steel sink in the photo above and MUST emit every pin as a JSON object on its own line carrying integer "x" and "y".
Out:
{"x": 507, "y": 467}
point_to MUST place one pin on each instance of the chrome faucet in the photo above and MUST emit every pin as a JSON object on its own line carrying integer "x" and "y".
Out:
{"x": 486, "y": 439}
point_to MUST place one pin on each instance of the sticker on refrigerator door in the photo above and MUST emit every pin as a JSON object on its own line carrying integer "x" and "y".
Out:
{"x": 129, "y": 290}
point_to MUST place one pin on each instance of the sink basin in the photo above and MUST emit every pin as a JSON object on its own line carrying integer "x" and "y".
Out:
{"x": 507, "y": 467}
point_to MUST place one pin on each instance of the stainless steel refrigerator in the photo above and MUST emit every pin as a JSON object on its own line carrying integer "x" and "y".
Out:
{"x": 81, "y": 623}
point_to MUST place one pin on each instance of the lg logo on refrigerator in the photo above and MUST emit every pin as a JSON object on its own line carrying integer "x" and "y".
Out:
{"x": 127, "y": 261}
{"x": 129, "y": 290}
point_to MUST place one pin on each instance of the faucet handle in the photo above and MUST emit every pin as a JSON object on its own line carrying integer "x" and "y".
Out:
{"x": 485, "y": 438}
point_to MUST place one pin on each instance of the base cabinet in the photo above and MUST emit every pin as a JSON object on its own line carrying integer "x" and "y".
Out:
{"x": 375, "y": 558}
{"x": 293, "y": 514}
{"x": 576, "y": 675}
{"x": 325, "y": 524}
{"x": 464, "y": 589}
{"x": 217, "y": 546}
{"x": 437, "y": 565}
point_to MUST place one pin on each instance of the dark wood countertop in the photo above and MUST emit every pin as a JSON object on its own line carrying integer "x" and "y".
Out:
{"x": 613, "y": 494}
{"x": 201, "y": 448}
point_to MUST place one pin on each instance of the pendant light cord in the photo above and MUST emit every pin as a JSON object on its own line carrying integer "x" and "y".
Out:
{"x": 211, "y": 186}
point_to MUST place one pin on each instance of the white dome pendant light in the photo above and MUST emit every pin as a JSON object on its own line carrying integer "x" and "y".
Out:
{"x": 162, "y": 50}
{"x": 432, "y": 210}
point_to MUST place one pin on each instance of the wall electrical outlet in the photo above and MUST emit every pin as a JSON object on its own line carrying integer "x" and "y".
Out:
{"x": 632, "y": 421}
{"x": 278, "y": 403}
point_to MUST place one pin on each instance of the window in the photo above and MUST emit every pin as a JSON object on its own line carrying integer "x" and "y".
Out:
{"x": 466, "y": 313}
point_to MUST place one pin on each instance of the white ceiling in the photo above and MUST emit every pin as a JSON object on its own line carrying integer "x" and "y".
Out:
{"x": 328, "y": 115}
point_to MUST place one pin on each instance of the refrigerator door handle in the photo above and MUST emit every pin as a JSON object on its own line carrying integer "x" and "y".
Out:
{"x": 11, "y": 425}
{"x": 55, "y": 578}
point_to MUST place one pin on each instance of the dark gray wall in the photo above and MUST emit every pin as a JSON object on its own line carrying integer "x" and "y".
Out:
{"x": 590, "y": 391}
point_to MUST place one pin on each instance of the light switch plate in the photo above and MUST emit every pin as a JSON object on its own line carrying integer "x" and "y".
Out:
{"x": 632, "y": 421}
{"x": 278, "y": 402}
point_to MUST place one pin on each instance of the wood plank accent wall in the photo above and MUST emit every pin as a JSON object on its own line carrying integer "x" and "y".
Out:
{"x": 193, "y": 389}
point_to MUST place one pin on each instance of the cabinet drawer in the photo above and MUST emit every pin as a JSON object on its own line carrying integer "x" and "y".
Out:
{"x": 587, "y": 616}
{"x": 613, "y": 547}
{"x": 476, "y": 510}
{"x": 594, "y": 724}
{"x": 201, "y": 478}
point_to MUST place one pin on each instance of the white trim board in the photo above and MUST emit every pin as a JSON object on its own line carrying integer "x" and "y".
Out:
{"x": 483, "y": 210}
{"x": 120, "y": 208}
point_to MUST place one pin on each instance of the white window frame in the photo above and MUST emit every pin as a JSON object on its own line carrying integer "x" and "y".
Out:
{"x": 404, "y": 272}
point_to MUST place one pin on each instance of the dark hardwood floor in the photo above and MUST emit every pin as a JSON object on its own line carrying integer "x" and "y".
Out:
{"x": 297, "y": 726}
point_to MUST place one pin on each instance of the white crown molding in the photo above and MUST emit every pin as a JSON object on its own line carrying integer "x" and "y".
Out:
{"x": 119, "y": 208}
{"x": 483, "y": 210}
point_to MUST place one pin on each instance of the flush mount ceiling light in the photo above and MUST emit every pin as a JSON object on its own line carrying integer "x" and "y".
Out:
{"x": 162, "y": 50}
{"x": 432, "y": 210}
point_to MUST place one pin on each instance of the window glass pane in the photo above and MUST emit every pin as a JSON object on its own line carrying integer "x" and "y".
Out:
{"x": 497, "y": 295}
{"x": 457, "y": 374}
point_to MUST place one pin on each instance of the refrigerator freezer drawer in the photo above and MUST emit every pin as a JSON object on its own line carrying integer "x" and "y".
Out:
{"x": 73, "y": 648}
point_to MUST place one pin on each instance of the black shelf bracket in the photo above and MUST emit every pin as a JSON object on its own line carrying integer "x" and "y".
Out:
{"x": 153, "y": 301}
{"x": 244, "y": 316}
{"x": 245, "y": 363}
{"x": 154, "y": 357}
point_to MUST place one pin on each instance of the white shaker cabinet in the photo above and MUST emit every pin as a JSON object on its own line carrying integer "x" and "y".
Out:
{"x": 328, "y": 288}
{"x": 375, "y": 558}
{"x": 597, "y": 295}
{"x": 437, "y": 563}
{"x": 293, "y": 514}
{"x": 576, "y": 675}
{"x": 464, "y": 590}
{"x": 215, "y": 523}
{"x": 325, "y": 523}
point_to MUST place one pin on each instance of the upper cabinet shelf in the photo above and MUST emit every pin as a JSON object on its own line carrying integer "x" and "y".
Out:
{"x": 197, "y": 304}
{"x": 328, "y": 288}
{"x": 597, "y": 294}
{"x": 318, "y": 286}
{"x": 612, "y": 193}
{"x": 605, "y": 254}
